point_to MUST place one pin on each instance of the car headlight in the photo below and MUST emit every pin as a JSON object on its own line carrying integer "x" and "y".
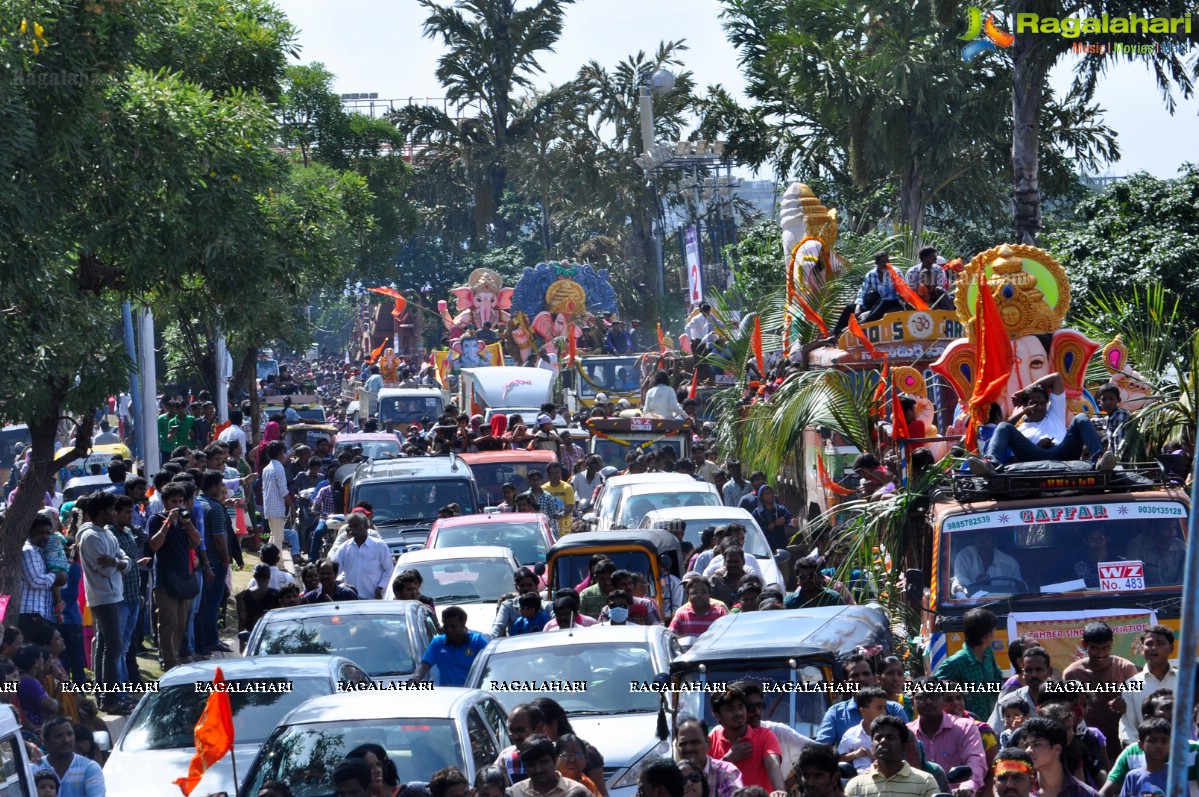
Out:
{"x": 630, "y": 776}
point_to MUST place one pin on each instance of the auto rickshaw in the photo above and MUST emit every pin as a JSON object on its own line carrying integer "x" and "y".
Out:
{"x": 652, "y": 552}
{"x": 793, "y": 653}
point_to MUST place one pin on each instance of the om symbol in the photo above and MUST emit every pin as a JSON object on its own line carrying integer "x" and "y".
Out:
{"x": 920, "y": 324}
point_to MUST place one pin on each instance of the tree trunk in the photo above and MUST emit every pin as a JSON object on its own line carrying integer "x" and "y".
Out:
{"x": 38, "y": 480}
{"x": 911, "y": 199}
{"x": 255, "y": 411}
{"x": 246, "y": 373}
{"x": 1027, "y": 82}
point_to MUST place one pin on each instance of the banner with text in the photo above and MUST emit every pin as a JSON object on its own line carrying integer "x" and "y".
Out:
{"x": 695, "y": 273}
{"x": 1060, "y": 633}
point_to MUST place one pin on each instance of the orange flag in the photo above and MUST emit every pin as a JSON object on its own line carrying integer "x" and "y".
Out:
{"x": 756, "y": 343}
{"x": 899, "y": 422}
{"x": 661, "y": 340}
{"x": 693, "y": 391}
{"x": 377, "y": 353}
{"x": 213, "y": 734}
{"x": 905, "y": 292}
{"x": 880, "y": 390}
{"x": 810, "y": 313}
{"x": 992, "y": 358}
{"x": 827, "y": 480}
{"x": 401, "y": 302}
{"x": 572, "y": 345}
{"x": 860, "y": 334}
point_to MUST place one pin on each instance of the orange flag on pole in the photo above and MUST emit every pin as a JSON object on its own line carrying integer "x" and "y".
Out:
{"x": 827, "y": 480}
{"x": 377, "y": 353}
{"x": 810, "y": 314}
{"x": 756, "y": 343}
{"x": 860, "y": 334}
{"x": 661, "y": 340}
{"x": 213, "y": 734}
{"x": 905, "y": 291}
{"x": 899, "y": 422}
{"x": 693, "y": 391}
{"x": 992, "y": 357}
{"x": 572, "y": 346}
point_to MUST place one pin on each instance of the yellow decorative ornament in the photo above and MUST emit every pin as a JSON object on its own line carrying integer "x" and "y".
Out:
{"x": 1029, "y": 286}
{"x": 565, "y": 297}
{"x": 485, "y": 279}
{"x": 820, "y": 221}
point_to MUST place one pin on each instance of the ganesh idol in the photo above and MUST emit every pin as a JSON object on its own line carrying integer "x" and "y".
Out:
{"x": 809, "y": 234}
{"x": 1032, "y": 295}
{"x": 483, "y": 299}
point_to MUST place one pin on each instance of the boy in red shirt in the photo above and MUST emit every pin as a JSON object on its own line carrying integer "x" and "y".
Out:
{"x": 754, "y": 751}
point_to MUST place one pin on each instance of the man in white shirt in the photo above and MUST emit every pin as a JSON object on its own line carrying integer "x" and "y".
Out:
{"x": 701, "y": 324}
{"x": 364, "y": 561}
{"x": 975, "y": 566}
{"x": 276, "y": 501}
{"x": 661, "y": 401}
{"x": 234, "y": 431}
{"x": 584, "y": 482}
{"x": 1158, "y": 644}
{"x": 1042, "y": 433}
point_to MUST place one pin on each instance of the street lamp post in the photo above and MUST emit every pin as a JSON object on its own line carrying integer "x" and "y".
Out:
{"x": 660, "y": 84}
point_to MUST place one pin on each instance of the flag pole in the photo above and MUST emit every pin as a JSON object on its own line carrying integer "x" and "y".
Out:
{"x": 233, "y": 761}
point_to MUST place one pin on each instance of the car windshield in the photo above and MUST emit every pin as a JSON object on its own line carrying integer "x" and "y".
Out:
{"x": 415, "y": 500}
{"x": 634, "y": 507}
{"x": 1116, "y": 547}
{"x": 613, "y": 453}
{"x": 372, "y": 449}
{"x": 406, "y": 409}
{"x": 809, "y": 706}
{"x": 378, "y": 643}
{"x": 608, "y": 669}
{"x": 314, "y": 415}
{"x": 525, "y": 539}
{"x": 465, "y": 580}
{"x": 618, "y": 374}
{"x": 304, "y": 756}
{"x": 167, "y": 718}
{"x": 491, "y": 477}
{"x": 571, "y": 569}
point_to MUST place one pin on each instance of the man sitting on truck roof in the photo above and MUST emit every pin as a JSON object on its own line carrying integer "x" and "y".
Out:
{"x": 1042, "y": 433}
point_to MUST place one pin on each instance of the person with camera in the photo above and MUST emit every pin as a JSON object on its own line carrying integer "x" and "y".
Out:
{"x": 173, "y": 540}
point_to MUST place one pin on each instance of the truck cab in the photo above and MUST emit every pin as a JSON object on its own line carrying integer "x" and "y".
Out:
{"x": 613, "y": 438}
{"x": 1049, "y": 547}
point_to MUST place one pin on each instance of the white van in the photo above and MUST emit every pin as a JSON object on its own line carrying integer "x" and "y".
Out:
{"x": 16, "y": 773}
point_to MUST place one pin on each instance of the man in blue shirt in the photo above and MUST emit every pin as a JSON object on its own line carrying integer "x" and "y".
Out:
{"x": 844, "y": 715}
{"x": 876, "y": 298}
{"x": 453, "y": 652}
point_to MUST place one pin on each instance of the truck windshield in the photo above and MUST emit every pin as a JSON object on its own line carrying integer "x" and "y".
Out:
{"x": 406, "y": 409}
{"x": 809, "y": 706}
{"x": 415, "y": 500}
{"x": 609, "y": 373}
{"x": 1115, "y": 547}
{"x": 613, "y": 453}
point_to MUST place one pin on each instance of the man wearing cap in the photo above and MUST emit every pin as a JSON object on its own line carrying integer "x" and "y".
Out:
{"x": 545, "y": 438}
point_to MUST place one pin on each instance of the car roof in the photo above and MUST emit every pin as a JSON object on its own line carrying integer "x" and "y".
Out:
{"x": 344, "y": 608}
{"x": 254, "y": 667}
{"x": 480, "y": 520}
{"x": 440, "y": 703}
{"x": 662, "y": 541}
{"x": 691, "y": 486}
{"x": 423, "y": 392}
{"x": 417, "y": 467}
{"x": 826, "y": 634}
{"x": 81, "y": 481}
{"x": 596, "y": 635}
{"x": 362, "y": 437}
{"x": 488, "y": 457}
{"x": 648, "y": 478}
{"x": 700, "y": 513}
{"x": 461, "y": 552}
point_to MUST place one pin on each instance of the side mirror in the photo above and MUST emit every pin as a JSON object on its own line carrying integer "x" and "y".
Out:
{"x": 959, "y": 774}
{"x": 103, "y": 741}
{"x": 661, "y": 679}
{"x": 781, "y": 555}
{"x": 590, "y": 519}
{"x": 915, "y": 589}
{"x": 847, "y": 770}
{"x": 539, "y": 568}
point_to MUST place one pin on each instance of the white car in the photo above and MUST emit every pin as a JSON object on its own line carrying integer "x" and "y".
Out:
{"x": 619, "y": 721}
{"x": 159, "y": 739}
{"x": 473, "y": 577}
{"x": 698, "y": 518}
{"x": 623, "y": 500}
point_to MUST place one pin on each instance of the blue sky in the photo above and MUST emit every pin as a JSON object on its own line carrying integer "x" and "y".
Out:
{"x": 376, "y": 45}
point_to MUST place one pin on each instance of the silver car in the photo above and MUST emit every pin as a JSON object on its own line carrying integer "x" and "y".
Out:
{"x": 610, "y": 713}
{"x": 385, "y": 638}
{"x": 158, "y": 742}
{"x": 422, "y": 732}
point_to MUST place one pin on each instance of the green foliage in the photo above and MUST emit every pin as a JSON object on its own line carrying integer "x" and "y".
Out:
{"x": 757, "y": 260}
{"x": 1141, "y": 231}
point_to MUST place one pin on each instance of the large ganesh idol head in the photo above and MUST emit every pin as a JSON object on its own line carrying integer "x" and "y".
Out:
{"x": 484, "y": 298}
{"x": 802, "y": 216}
{"x": 1033, "y": 296}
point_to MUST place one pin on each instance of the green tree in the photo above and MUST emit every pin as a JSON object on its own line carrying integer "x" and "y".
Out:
{"x": 1140, "y": 231}
{"x": 1033, "y": 56}
{"x": 123, "y": 178}
{"x": 492, "y": 51}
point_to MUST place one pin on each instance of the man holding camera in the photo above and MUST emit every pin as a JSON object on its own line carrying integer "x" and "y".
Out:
{"x": 173, "y": 540}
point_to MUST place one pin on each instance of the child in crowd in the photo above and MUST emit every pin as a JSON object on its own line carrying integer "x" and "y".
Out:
{"x": 532, "y": 617}
{"x": 46, "y": 782}
{"x": 55, "y": 554}
{"x": 1116, "y": 416}
{"x": 855, "y": 745}
{"x": 1154, "y": 737}
{"x": 1015, "y": 712}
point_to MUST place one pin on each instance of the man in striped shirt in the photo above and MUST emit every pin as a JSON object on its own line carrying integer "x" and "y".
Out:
{"x": 37, "y": 598}
{"x": 890, "y": 775}
{"x": 77, "y": 776}
{"x": 697, "y": 615}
